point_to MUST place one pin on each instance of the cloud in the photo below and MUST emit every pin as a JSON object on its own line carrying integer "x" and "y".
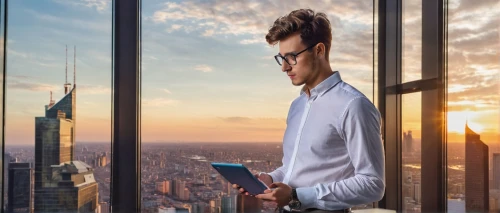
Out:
{"x": 30, "y": 86}
{"x": 204, "y": 68}
{"x": 92, "y": 89}
{"x": 101, "y": 26}
{"x": 159, "y": 102}
{"x": 167, "y": 91}
{"x": 236, "y": 119}
{"x": 99, "y": 5}
{"x": 250, "y": 120}
{"x": 215, "y": 18}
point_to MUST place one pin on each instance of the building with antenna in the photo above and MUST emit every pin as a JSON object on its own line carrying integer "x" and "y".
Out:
{"x": 61, "y": 184}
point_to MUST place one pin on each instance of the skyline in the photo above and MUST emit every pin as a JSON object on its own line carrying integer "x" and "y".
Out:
{"x": 194, "y": 51}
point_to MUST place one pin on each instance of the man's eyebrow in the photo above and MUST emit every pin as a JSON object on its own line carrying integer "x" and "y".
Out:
{"x": 288, "y": 53}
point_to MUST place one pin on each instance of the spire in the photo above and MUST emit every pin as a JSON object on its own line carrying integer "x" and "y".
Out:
{"x": 66, "y": 64}
{"x": 51, "y": 101}
{"x": 74, "y": 68}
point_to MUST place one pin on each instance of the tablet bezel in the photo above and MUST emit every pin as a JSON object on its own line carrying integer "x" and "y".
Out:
{"x": 249, "y": 187}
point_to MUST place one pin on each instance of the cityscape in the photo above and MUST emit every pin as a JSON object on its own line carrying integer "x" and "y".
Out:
{"x": 473, "y": 174}
{"x": 211, "y": 92}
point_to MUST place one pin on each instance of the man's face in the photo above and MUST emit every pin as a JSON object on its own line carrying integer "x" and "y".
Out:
{"x": 304, "y": 70}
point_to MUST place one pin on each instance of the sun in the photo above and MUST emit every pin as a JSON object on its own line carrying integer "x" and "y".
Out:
{"x": 457, "y": 120}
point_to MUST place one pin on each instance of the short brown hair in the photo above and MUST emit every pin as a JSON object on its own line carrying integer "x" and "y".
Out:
{"x": 313, "y": 28}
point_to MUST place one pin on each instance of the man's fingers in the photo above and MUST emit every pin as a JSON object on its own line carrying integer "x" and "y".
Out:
{"x": 268, "y": 196}
{"x": 235, "y": 186}
{"x": 242, "y": 190}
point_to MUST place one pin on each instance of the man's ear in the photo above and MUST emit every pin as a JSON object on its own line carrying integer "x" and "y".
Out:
{"x": 320, "y": 50}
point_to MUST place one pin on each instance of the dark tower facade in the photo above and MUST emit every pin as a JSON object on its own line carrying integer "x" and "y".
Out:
{"x": 476, "y": 173}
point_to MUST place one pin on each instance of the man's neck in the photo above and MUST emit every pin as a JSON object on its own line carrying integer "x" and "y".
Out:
{"x": 321, "y": 77}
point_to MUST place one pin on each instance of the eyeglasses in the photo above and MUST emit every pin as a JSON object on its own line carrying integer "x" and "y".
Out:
{"x": 290, "y": 58}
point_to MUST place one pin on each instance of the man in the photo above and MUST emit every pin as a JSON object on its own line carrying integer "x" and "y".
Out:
{"x": 333, "y": 156}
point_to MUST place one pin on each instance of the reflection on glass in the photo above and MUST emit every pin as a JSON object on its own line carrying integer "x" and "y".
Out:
{"x": 212, "y": 91}
{"x": 412, "y": 41}
{"x": 411, "y": 151}
{"x": 473, "y": 106}
{"x": 58, "y": 105}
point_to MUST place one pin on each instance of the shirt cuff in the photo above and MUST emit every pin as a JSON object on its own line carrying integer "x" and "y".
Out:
{"x": 273, "y": 176}
{"x": 307, "y": 197}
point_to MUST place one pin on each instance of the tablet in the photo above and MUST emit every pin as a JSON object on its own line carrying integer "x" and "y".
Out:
{"x": 239, "y": 174}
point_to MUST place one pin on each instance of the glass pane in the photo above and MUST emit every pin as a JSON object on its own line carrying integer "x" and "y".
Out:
{"x": 412, "y": 41}
{"x": 411, "y": 151}
{"x": 212, "y": 91}
{"x": 473, "y": 106}
{"x": 4, "y": 164}
{"x": 58, "y": 104}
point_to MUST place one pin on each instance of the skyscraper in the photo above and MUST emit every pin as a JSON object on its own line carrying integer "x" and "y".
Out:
{"x": 476, "y": 173}
{"x": 246, "y": 204}
{"x": 61, "y": 184}
{"x": 496, "y": 170}
{"x": 408, "y": 141}
{"x": 19, "y": 189}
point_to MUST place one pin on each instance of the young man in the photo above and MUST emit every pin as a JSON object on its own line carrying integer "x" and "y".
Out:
{"x": 333, "y": 156}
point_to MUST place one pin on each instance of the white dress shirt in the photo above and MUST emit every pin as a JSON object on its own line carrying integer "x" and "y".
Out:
{"x": 332, "y": 148}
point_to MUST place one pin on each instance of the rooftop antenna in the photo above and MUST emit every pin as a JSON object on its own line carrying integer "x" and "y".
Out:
{"x": 51, "y": 102}
{"x": 74, "y": 68}
{"x": 66, "y": 85}
{"x": 66, "y": 64}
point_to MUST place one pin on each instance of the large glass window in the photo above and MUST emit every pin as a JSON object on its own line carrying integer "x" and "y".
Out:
{"x": 212, "y": 91}
{"x": 473, "y": 106}
{"x": 412, "y": 40}
{"x": 411, "y": 152}
{"x": 58, "y": 106}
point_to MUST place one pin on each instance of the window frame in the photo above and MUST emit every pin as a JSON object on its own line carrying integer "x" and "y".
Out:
{"x": 433, "y": 86}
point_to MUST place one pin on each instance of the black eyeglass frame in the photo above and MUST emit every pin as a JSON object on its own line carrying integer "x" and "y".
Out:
{"x": 276, "y": 57}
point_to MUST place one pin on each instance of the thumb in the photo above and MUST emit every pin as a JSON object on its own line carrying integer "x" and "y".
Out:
{"x": 276, "y": 185}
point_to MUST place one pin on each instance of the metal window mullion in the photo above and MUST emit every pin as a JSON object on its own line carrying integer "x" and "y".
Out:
{"x": 126, "y": 168}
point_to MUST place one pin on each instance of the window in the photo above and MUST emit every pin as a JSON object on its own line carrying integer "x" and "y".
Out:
{"x": 412, "y": 41}
{"x": 412, "y": 152}
{"x": 58, "y": 104}
{"x": 473, "y": 106}
{"x": 212, "y": 91}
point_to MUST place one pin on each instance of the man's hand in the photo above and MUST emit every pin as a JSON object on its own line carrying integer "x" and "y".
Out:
{"x": 267, "y": 179}
{"x": 281, "y": 194}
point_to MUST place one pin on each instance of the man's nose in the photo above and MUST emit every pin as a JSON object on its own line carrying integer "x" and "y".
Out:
{"x": 285, "y": 67}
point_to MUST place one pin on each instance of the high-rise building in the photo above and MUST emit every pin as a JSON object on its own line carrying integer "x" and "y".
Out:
{"x": 103, "y": 207}
{"x": 476, "y": 173}
{"x": 61, "y": 183}
{"x": 408, "y": 142}
{"x": 496, "y": 170}
{"x": 248, "y": 204}
{"x": 74, "y": 189}
{"x": 228, "y": 204}
{"x": 19, "y": 188}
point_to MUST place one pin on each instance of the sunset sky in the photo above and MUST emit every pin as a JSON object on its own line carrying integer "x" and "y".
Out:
{"x": 209, "y": 75}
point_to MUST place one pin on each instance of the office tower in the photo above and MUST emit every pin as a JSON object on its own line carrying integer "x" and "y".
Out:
{"x": 496, "y": 170}
{"x": 228, "y": 204}
{"x": 61, "y": 183}
{"x": 476, "y": 173}
{"x": 74, "y": 189}
{"x": 248, "y": 204}
{"x": 103, "y": 207}
{"x": 407, "y": 142}
{"x": 19, "y": 188}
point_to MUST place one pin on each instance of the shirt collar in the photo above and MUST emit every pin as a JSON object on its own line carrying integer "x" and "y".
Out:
{"x": 324, "y": 86}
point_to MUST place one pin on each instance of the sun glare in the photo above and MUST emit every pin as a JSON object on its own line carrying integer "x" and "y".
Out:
{"x": 457, "y": 120}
